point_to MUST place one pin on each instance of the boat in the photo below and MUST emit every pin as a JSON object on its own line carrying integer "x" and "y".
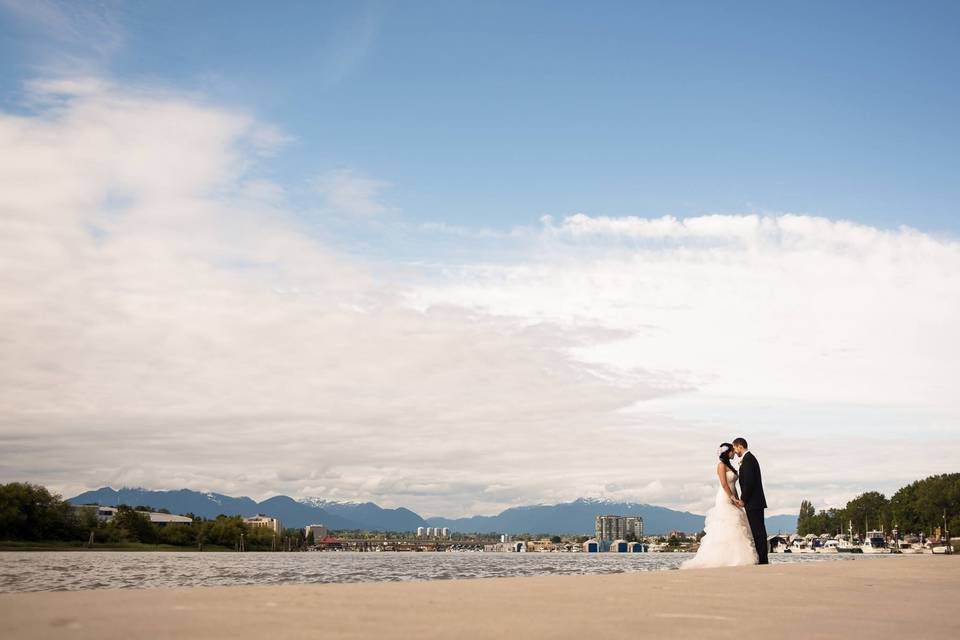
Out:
{"x": 846, "y": 544}
{"x": 875, "y": 542}
{"x": 830, "y": 546}
{"x": 779, "y": 544}
{"x": 800, "y": 546}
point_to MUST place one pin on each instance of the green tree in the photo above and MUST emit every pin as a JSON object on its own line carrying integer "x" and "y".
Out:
{"x": 920, "y": 506}
{"x": 30, "y": 512}
{"x": 129, "y": 524}
{"x": 807, "y": 512}
{"x": 870, "y": 509}
{"x": 181, "y": 535}
{"x": 827, "y": 521}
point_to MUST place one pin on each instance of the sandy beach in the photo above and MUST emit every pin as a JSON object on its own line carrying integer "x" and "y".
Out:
{"x": 868, "y": 598}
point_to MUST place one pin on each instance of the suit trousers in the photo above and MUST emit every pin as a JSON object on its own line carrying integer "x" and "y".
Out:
{"x": 759, "y": 530}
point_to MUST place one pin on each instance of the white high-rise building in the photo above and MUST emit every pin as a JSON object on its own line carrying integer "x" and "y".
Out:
{"x": 445, "y": 532}
{"x": 610, "y": 528}
{"x": 318, "y": 530}
{"x": 420, "y": 531}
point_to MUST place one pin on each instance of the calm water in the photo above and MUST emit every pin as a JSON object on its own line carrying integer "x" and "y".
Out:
{"x": 57, "y": 571}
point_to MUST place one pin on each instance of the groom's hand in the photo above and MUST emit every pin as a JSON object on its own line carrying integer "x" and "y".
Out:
{"x": 739, "y": 503}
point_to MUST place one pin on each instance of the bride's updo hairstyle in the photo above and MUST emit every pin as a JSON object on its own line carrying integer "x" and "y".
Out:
{"x": 723, "y": 451}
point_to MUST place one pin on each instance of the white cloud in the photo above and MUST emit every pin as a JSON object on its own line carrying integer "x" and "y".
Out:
{"x": 346, "y": 191}
{"x": 833, "y": 344}
{"x": 166, "y": 322}
{"x": 780, "y": 307}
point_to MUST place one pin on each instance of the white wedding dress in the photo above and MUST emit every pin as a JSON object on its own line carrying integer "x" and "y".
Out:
{"x": 728, "y": 541}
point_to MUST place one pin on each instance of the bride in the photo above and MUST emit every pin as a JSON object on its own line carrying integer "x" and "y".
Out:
{"x": 727, "y": 541}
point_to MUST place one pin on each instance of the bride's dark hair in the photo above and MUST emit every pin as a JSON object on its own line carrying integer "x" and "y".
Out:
{"x": 724, "y": 450}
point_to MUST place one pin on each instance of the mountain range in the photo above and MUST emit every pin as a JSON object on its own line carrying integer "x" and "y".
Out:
{"x": 575, "y": 517}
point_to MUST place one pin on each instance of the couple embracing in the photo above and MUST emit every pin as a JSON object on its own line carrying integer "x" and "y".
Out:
{"x": 734, "y": 530}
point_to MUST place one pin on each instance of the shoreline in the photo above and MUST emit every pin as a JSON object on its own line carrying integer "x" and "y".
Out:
{"x": 899, "y": 597}
{"x": 138, "y": 547}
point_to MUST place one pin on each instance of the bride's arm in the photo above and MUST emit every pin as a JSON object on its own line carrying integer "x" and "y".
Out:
{"x": 722, "y": 474}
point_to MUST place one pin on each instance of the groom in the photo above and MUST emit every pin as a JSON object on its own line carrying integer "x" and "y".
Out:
{"x": 752, "y": 498}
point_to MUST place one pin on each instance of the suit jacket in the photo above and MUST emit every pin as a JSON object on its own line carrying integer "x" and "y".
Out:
{"x": 751, "y": 485}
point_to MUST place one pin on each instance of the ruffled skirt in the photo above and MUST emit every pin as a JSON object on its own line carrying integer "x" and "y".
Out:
{"x": 728, "y": 541}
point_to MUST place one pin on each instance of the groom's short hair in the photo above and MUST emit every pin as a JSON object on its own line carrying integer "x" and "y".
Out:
{"x": 740, "y": 442}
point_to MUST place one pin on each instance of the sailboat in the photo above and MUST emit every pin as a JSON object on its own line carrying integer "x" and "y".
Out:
{"x": 845, "y": 545}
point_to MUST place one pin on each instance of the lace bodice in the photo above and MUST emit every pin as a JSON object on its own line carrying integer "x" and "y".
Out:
{"x": 732, "y": 481}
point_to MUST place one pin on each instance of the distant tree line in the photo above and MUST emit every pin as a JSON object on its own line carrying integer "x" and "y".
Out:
{"x": 30, "y": 512}
{"x": 917, "y": 507}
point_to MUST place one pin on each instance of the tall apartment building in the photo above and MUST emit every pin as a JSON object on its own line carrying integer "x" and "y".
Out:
{"x": 610, "y": 528}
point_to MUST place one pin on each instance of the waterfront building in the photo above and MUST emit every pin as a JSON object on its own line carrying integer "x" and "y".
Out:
{"x": 163, "y": 519}
{"x": 610, "y": 528}
{"x": 619, "y": 546}
{"x": 420, "y": 531}
{"x": 160, "y": 519}
{"x": 266, "y": 522}
{"x": 318, "y": 530}
{"x": 445, "y": 532}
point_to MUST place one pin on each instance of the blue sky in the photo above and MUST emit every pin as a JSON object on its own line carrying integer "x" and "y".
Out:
{"x": 494, "y": 113}
{"x": 565, "y": 249}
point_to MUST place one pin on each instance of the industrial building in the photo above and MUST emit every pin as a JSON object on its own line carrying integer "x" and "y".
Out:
{"x": 160, "y": 519}
{"x": 433, "y": 532}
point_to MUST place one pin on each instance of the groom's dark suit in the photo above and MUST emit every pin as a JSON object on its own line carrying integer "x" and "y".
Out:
{"x": 751, "y": 492}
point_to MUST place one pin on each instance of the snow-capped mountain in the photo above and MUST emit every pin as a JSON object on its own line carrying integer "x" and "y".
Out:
{"x": 569, "y": 517}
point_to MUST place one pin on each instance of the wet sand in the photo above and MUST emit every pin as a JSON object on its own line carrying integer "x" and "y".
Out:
{"x": 891, "y": 597}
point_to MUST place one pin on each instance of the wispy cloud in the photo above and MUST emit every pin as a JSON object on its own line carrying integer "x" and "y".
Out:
{"x": 346, "y": 191}
{"x": 72, "y": 36}
{"x": 347, "y": 49}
